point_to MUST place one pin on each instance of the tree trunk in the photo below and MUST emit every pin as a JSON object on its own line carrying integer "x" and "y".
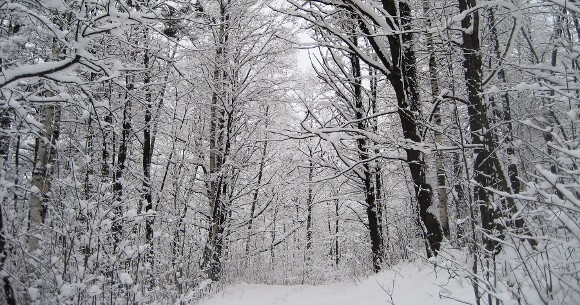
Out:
{"x": 461, "y": 205}
{"x": 336, "y": 230}
{"x": 400, "y": 70}
{"x": 377, "y": 165}
{"x": 5, "y": 122}
{"x": 117, "y": 226}
{"x": 439, "y": 164}
{"x": 363, "y": 150}
{"x": 146, "y": 192}
{"x": 256, "y": 192}
{"x": 309, "y": 203}
{"x": 512, "y": 174}
{"x": 403, "y": 78}
{"x": 42, "y": 173}
{"x": 479, "y": 124}
{"x": 105, "y": 154}
{"x": 211, "y": 261}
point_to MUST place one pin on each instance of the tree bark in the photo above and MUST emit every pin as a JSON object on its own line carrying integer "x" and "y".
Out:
{"x": 117, "y": 226}
{"x": 336, "y": 231}
{"x": 461, "y": 205}
{"x": 378, "y": 177}
{"x": 256, "y": 192}
{"x": 211, "y": 261}
{"x": 42, "y": 173}
{"x": 309, "y": 203}
{"x": 364, "y": 154}
{"x": 403, "y": 78}
{"x": 479, "y": 124}
{"x": 512, "y": 168}
{"x": 5, "y": 122}
{"x": 148, "y": 140}
{"x": 439, "y": 164}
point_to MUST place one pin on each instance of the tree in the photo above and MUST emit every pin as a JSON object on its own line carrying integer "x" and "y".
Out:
{"x": 243, "y": 56}
{"x": 435, "y": 92}
{"x": 353, "y": 106}
{"x": 396, "y": 61}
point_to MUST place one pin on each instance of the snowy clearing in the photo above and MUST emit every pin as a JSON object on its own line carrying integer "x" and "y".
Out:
{"x": 410, "y": 283}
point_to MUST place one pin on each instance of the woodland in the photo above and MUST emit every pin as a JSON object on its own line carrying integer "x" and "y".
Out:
{"x": 153, "y": 151}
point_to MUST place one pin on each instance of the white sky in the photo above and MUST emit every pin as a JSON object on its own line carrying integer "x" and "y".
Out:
{"x": 302, "y": 59}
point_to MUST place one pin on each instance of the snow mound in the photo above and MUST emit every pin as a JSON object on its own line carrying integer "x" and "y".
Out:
{"x": 404, "y": 284}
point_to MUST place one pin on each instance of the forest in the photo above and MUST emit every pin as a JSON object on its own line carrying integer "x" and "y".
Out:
{"x": 155, "y": 151}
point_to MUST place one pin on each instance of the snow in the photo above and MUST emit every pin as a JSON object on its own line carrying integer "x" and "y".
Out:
{"x": 35, "y": 70}
{"x": 94, "y": 291}
{"x": 125, "y": 278}
{"x": 567, "y": 4}
{"x": 130, "y": 214}
{"x": 407, "y": 283}
{"x": 66, "y": 291}
{"x": 33, "y": 293}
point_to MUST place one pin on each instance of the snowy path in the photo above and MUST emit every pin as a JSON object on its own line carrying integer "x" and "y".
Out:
{"x": 414, "y": 284}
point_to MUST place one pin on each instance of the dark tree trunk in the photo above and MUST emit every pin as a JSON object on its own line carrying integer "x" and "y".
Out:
{"x": 211, "y": 261}
{"x": 512, "y": 178}
{"x": 148, "y": 139}
{"x": 309, "y": 203}
{"x": 377, "y": 166}
{"x": 336, "y": 230}
{"x": 403, "y": 78}
{"x": 5, "y": 122}
{"x": 400, "y": 70}
{"x": 367, "y": 175}
{"x": 105, "y": 154}
{"x": 117, "y": 226}
{"x": 479, "y": 124}
{"x": 459, "y": 198}
{"x": 256, "y": 192}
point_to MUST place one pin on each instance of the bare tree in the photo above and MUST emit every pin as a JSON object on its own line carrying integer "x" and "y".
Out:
{"x": 396, "y": 60}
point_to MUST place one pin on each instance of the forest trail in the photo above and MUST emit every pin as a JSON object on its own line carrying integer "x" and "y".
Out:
{"x": 410, "y": 284}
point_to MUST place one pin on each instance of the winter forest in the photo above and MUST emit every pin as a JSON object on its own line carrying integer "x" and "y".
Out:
{"x": 156, "y": 151}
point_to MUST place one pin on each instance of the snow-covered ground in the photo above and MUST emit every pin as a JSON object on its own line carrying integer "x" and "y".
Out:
{"x": 404, "y": 284}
